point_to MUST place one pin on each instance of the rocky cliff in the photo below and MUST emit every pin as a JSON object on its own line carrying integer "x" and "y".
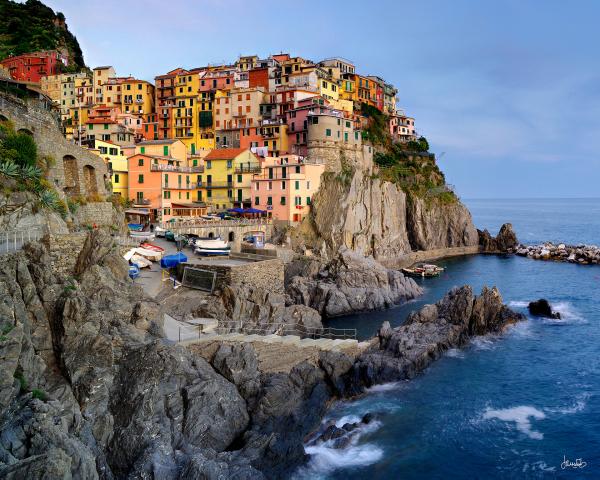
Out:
{"x": 358, "y": 210}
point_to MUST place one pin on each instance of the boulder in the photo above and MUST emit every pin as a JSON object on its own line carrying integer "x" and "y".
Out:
{"x": 505, "y": 241}
{"x": 542, "y": 308}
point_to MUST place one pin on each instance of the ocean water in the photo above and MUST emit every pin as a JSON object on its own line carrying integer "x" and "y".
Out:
{"x": 510, "y": 406}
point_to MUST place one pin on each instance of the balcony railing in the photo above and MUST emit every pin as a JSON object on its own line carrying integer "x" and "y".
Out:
{"x": 183, "y": 186}
{"x": 248, "y": 168}
{"x": 141, "y": 202}
{"x": 219, "y": 185}
{"x": 174, "y": 168}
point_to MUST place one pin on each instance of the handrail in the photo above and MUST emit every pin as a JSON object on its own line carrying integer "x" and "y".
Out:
{"x": 288, "y": 329}
{"x": 15, "y": 240}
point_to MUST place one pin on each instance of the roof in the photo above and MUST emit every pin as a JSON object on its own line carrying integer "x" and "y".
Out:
{"x": 164, "y": 141}
{"x": 224, "y": 153}
{"x": 103, "y": 67}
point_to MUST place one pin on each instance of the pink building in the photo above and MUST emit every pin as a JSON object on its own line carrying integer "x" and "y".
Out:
{"x": 285, "y": 187}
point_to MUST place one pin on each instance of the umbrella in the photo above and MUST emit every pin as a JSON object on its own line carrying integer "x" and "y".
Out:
{"x": 253, "y": 210}
{"x": 236, "y": 210}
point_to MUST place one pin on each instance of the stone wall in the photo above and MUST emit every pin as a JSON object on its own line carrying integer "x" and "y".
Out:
{"x": 64, "y": 251}
{"x": 225, "y": 231}
{"x": 408, "y": 259}
{"x": 334, "y": 154}
{"x": 76, "y": 171}
{"x": 265, "y": 274}
{"x": 100, "y": 213}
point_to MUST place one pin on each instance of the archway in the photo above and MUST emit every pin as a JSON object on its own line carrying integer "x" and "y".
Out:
{"x": 231, "y": 236}
{"x": 211, "y": 235}
{"x": 89, "y": 179}
{"x": 25, "y": 131}
{"x": 71, "y": 174}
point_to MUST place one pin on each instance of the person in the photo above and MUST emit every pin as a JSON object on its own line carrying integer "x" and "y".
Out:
{"x": 152, "y": 227}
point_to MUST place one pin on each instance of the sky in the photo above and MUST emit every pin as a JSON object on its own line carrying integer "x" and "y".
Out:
{"x": 506, "y": 91}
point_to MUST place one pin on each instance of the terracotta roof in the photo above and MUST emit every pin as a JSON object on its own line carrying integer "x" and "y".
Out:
{"x": 224, "y": 153}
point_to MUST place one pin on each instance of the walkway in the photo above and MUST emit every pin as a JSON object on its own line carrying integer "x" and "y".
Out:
{"x": 14, "y": 241}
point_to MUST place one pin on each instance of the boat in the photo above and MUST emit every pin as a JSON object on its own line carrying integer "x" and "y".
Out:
{"x": 135, "y": 227}
{"x": 425, "y": 270}
{"x": 134, "y": 272}
{"x": 170, "y": 236}
{"x": 152, "y": 255}
{"x": 142, "y": 235}
{"x": 207, "y": 252}
{"x": 212, "y": 244}
{"x": 151, "y": 246}
{"x": 171, "y": 261}
{"x": 160, "y": 232}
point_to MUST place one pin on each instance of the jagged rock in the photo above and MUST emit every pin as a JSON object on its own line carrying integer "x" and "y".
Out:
{"x": 542, "y": 308}
{"x": 505, "y": 241}
{"x": 354, "y": 283}
{"x": 405, "y": 351}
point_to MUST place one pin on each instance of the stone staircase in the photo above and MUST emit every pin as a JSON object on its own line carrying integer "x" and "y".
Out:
{"x": 276, "y": 353}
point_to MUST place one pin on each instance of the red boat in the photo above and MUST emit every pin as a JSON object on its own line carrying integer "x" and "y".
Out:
{"x": 150, "y": 246}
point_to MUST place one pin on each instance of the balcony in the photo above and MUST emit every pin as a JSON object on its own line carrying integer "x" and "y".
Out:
{"x": 141, "y": 202}
{"x": 218, "y": 185}
{"x": 182, "y": 186}
{"x": 174, "y": 168}
{"x": 252, "y": 168}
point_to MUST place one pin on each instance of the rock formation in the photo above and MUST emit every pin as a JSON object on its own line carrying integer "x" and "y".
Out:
{"x": 376, "y": 218}
{"x": 505, "y": 241}
{"x": 542, "y": 308}
{"x": 580, "y": 254}
{"x": 351, "y": 283}
{"x": 403, "y": 352}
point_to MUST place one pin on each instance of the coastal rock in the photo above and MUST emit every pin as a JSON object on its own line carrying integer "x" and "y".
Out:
{"x": 542, "y": 308}
{"x": 580, "y": 254}
{"x": 403, "y": 352}
{"x": 505, "y": 241}
{"x": 352, "y": 283}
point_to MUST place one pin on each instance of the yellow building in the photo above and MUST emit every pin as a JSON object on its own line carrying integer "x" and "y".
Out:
{"x": 137, "y": 96}
{"x": 275, "y": 136}
{"x": 225, "y": 174}
{"x": 116, "y": 161}
{"x": 167, "y": 147}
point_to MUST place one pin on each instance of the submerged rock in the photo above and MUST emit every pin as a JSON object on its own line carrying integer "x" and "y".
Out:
{"x": 403, "y": 352}
{"x": 542, "y": 308}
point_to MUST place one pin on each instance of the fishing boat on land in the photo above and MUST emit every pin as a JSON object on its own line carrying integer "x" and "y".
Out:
{"x": 160, "y": 232}
{"x": 424, "y": 270}
{"x": 145, "y": 236}
{"x": 214, "y": 246}
{"x": 151, "y": 246}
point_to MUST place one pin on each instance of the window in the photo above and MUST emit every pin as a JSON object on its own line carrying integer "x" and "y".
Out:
{"x": 140, "y": 196}
{"x": 140, "y": 162}
{"x": 256, "y": 200}
{"x": 106, "y": 126}
{"x": 308, "y": 200}
{"x": 328, "y": 132}
{"x": 283, "y": 185}
{"x": 91, "y": 126}
{"x": 143, "y": 149}
{"x": 195, "y": 161}
{"x": 209, "y": 194}
{"x": 282, "y": 201}
{"x": 297, "y": 184}
{"x": 166, "y": 194}
{"x": 269, "y": 200}
{"x": 116, "y": 176}
{"x": 239, "y": 179}
{"x": 141, "y": 178}
{"x": 308, "y": 185}
{"x": 209, "y": 164}
{"x": 166, "y": 151}
{"x": 229, "y": 163}
{"x": 298, "y": 201}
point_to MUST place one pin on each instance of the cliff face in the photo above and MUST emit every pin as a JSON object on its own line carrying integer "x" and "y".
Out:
{"x": 357, "y": 210}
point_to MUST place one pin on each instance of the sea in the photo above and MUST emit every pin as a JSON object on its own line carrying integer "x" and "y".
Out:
{"x": 525, "y": 404}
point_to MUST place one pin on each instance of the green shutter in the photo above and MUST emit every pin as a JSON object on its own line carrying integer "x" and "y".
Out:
{"x": 166, "y": 151}
{"x": 143, "y": 149}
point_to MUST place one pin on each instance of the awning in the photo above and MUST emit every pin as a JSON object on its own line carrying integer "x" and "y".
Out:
{"x": 138, "y": 211}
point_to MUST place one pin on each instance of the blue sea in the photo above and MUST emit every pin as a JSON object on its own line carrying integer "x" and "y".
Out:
{"x": 511, "y": 406}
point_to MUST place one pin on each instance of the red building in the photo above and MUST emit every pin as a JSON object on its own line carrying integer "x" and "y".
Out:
{"x": 31, "y": 67}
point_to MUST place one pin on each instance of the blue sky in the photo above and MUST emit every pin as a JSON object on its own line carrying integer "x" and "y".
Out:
{"x": 508, "y": 90}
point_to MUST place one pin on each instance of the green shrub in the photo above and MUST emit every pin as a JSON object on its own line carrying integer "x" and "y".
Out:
{"x": 19, "y": 147}
{"x": 22, "y": 380}
{"x": 39, "y": 394}
{"x": 9, "y": 169}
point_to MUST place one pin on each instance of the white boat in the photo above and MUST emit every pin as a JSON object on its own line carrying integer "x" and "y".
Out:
{"x": 146, "y": 236}
{"x": 207, "y": 252}
{"x": 149, "y": 254}
{"x": 140, "y": 261}
{"x": 212, "y": 244}
{"x": 160, "y": 232}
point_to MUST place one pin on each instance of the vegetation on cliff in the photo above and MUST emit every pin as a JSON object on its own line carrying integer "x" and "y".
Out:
{"x": 32, "y": 26}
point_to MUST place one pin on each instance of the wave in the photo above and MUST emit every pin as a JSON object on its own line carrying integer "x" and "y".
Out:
{"x": 577, "y": 406}
{"x": 518, "y": 304}
{"x": 520, "y": 416}
{"x": 324, "y": 459}
{"x": 483, "y": 342}
{"x": 384, "y": 387}
{"x": 454, "y": 353}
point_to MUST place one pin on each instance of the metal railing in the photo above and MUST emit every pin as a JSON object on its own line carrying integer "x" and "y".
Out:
{"x": 199, "y": 222}
{"x": 14, "y": 241}
{"x": 225, "y": 327}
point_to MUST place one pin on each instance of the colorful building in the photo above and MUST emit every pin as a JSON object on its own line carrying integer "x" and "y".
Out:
{"x": 116, "y": 162}
{"x": 285, "y": 187}
{"x": 31, "y": 67}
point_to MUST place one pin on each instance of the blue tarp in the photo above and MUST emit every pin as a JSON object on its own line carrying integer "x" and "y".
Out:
{"x": 172, "y": 260}
{"x": 136, "y": 227}
{"x": 253, "y": 210}
{"x": 236, "y": 210}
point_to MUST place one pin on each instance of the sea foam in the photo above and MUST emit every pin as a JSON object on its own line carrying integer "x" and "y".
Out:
{"x": 520, "y": 416}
